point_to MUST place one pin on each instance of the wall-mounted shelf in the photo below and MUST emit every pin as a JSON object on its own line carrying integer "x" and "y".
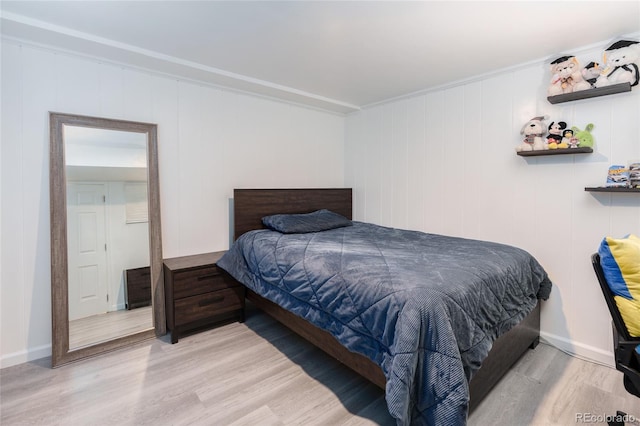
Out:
{"x": 561, "y": 151}
{"x": 590, "y": 93}
{"x": 612, "y": 189}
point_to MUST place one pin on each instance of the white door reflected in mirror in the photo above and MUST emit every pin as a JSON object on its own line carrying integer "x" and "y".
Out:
{"x": 87, "y": 242}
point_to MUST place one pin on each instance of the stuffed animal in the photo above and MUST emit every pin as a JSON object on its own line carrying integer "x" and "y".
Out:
{"x": 584, "y": 137}
{"x": 569, "y": 140}
{"x": 567, "y": 76}
{"x": 554, "y": 138}
{"x": 533, "y": 131}
{"x": 591, "y": 72}
{"x": 622, "y": 59}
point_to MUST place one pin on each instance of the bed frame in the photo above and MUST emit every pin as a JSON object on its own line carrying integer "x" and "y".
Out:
{"x": 250, "y": 205}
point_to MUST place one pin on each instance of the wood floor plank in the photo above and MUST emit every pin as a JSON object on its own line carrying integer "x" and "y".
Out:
{"x": 259, "y": 373}
{"x": 261, "y": 416}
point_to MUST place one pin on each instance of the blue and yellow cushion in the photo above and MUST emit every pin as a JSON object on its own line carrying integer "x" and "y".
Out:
{"x": 620, "y": 260}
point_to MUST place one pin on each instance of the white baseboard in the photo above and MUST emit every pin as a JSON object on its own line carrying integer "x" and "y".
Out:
{"x": 118, "y": 307}
{"x": 579, "y": 350}
{"x": 21, "y": 357}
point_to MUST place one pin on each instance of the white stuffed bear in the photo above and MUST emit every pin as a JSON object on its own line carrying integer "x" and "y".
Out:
{"x": 566, "y": 76}
{"x": 533, "y": 130}
{"x": 622, "y": 59}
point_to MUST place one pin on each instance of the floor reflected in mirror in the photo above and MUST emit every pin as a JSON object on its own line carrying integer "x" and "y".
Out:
{"x": 107, "y": 326}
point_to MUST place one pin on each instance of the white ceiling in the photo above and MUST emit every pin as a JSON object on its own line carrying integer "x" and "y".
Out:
{"x": 335, "y": 55}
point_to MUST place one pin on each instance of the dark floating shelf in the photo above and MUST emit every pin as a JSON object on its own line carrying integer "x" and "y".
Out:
{"x": 611, "y": 189}
{"x": 590, "y": 93}
{"x": 556, "y": 152}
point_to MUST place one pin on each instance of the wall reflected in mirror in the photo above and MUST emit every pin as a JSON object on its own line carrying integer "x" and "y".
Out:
{"x": 109, "y": 282}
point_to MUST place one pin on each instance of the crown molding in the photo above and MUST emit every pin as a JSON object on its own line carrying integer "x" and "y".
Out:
{"x": 22, "y": 28}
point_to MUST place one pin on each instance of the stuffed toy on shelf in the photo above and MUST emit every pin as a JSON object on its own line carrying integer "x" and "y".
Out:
{"x": 591, "y": 72}
{"x": 621, "y": 59}
{"x": 584, "y": 137}
{"x": 566, "y": 76}
{"x": 554, "y": 138}
{"x": 533, "y": 130}
{"x": 569, "y": 139}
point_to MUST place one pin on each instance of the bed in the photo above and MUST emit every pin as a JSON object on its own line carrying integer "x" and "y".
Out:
{"x": 436, "y": 378}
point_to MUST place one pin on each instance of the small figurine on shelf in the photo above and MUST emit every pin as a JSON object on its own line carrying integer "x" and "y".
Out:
{"x": 584, "y": 137}
{"x": 622, "y": 64}
{"x": 591, "y": 72}
{"x": 569, "y": 140}
{"x": 533, "y": 130}
{"x": 554, "y": 138}
{"x": 566, "y": 76}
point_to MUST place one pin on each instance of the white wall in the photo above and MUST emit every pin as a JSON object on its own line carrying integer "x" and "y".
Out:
{"x": 445, "y": 162}
{"x": 128, "y": 243}
{"x": 210, "y": 141}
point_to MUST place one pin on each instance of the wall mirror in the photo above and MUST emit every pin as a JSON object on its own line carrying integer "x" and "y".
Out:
{"x": 106, "y": 251}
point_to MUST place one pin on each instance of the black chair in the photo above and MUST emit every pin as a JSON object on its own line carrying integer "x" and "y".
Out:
{"x": 624, "y": 346}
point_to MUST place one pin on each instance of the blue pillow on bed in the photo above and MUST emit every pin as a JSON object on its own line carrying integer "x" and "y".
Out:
{"x": 320, "y": 220}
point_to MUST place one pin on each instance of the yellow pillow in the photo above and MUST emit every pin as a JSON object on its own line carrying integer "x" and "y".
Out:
{"x": 620, "y": 260}
{"x": 630, "y": 311}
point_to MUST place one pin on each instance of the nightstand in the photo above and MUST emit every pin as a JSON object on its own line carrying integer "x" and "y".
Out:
{"x": 199, "y": 294}
{"x": 138, "y": 287}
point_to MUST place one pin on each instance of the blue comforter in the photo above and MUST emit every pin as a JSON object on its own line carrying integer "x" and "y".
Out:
{"x": 424, "y": 307}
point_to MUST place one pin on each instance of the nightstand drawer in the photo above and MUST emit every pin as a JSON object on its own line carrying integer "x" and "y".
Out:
{"x": 205, "y": 305}
{"x": 198, "y": 281}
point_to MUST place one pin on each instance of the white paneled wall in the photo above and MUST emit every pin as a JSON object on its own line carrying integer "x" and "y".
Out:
{"x": 209, "y": 140}
{"x": 445, "y": 162}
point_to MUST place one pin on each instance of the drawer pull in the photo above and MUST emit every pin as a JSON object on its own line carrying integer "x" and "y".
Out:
{"x": 211, "y": 301}
{"x": 206, "y": 277}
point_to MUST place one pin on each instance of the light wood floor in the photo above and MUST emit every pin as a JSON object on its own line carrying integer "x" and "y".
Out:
{"x": 258, "y": 373}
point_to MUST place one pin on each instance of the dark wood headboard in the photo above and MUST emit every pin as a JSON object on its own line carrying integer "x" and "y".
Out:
{"x": 251, "y": 205}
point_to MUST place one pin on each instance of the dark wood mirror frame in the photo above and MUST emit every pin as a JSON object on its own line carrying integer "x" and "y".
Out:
{"x": 61, "y": 353}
